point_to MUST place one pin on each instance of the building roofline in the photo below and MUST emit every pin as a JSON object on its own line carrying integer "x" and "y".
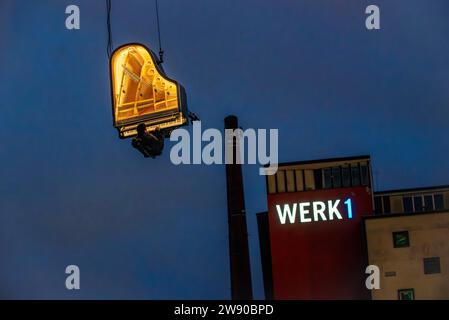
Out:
{"x": 411, "y": 189}
{"x": 361, "y": 157}
{"x": 399, "y": 215}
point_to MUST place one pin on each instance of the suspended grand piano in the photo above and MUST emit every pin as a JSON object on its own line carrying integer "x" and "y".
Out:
{"x": 142, "y": 95}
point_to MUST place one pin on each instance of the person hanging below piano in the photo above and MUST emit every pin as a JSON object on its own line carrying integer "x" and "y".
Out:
{"x": 149, "y": 143}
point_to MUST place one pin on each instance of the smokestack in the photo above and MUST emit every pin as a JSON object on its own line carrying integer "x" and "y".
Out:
{"x": 241, "y": 287}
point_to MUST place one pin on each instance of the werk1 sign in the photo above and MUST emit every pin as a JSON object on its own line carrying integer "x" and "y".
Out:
{"x": 304, "y": 212}
{"x": 317, "y": 249}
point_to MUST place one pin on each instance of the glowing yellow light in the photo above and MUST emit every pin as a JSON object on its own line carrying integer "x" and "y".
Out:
{"x": 142, "y": 93}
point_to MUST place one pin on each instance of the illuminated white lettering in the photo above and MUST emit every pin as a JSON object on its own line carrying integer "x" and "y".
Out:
{"x": 319, "y": 211}
{"x": 333, "y": 209}
{"x": 313, "y": 211}
{"x": 286, "y": 212}
{"x": 303, "y": 212}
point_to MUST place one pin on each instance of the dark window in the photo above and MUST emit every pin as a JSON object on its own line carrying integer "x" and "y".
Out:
{"x": 318, "y": 176}
{"x": 327, "y": 178}
{"x": 439, "y": 202}
{"x": 432, "y": 265}
{"x": 346, "y": 176}
{"x": 336, "y": 177}
{"x": 408, "y": 204}
{"x": 417, "y": 202}
{"x": 378, "y": 205}
{"x": 364, "y": 175}
{"x": 401, "y": 239}
{"x": 406, "y": 294}
{"x": 428, "y": 203}
{"x": 355, "y": 175}
{"x": 386, "y": 201}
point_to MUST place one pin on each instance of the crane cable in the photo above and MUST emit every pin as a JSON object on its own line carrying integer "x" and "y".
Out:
{"x": 161, "y": 52}
{"x": 108, "y": 23}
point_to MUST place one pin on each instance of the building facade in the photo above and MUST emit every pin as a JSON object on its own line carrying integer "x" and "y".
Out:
{"x": 315, "y": 209}
{"x": 409, "y": 241}
{"x": 325, "y": 225}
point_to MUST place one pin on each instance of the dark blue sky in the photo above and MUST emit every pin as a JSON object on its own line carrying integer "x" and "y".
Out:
{"x": 71, "y": 192}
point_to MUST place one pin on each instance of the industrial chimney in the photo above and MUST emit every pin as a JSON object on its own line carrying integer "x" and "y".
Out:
{"x": 241, "y": 287}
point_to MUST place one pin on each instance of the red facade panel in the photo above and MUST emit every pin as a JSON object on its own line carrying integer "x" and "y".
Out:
{"x": 319, "y": 254}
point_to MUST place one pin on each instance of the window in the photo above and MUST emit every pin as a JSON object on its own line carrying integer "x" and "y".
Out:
{"x": 272, "y": 184}
{"x": 308, "y": 180}
{"x": 290, "y": 178}
{"x": 408, "y": 204}
{"x": 346, "y": 176}
{"x": 364, "y": 175}
{"x": 280, "y": 177}
{"x": 327, "y": 178}
{"x": 386, "y": 202}
{"x": 401, "y": 239}
{"x": 378, "y": 205}
{"x": 299, "y": 180}
{"x": 336, "y": 177}
{"x": 428, "y": 203}
{"x": 355, "y": 175}
{"x": 318, "y": 177}
{"x": 418, "y": 203}
{"x": 439, "y": 202}
{"x": 432, "y": 265}
{"x": 406, "y": 294}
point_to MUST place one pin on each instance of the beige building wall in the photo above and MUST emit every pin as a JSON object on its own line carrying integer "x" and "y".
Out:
{"x": 403, "y": 268}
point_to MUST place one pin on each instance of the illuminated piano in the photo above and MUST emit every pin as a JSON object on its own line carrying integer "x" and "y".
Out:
{"x": 142, "y": 93}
